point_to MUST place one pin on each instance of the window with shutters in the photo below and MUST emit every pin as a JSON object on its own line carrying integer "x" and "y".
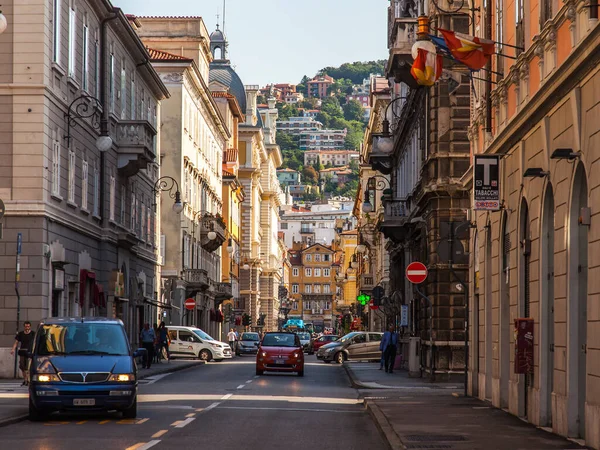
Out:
{"x": 85, "y": 66}
{"x": 295, "y": 288}
{"x": 545, "y": 11}
{"x": 326, "y": 272}
{"x": 111, "y": 195}
{"x": 56, "y": 165}
{"x": 163, "y": 249}
{"x": 71, "y": 192}
{"x": 84, "y": 185}
{"x": 72, "y": 37}
{"x": 123, "y": 93}
{"x": 308, "y": 272}
{"x": 123, "y": 203}
{"x": 132, "y": 96}
{"x": 57, "y": 24}
{"x": 520, "y": 25}
{"x": 307, "y": 288}
{"x": 295, "y": 272}
{"x": 317, "y": 288}
{"x": 96, "y": 210}
{"x": 326, "y": 289}
{"x": 111, "y": 81}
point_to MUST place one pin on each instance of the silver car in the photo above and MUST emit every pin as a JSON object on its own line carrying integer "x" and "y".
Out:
{"x": 358, "y": 345}
{"x": 304, "y": 339}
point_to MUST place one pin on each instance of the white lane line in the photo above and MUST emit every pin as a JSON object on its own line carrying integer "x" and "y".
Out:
{"x": 292, "y": 409}
{"x": 240, "y": 386}
{"x": 249, "y": 381}
{"x": 225, "y": 397}
{"x": 148, "y": 445}
{"x": 256, "y": 376}
{"x": 159, "y": 433}
{"x": 153, "y": 379}
{"x": 185, "y": 422}
{"x": 214, "y": 405}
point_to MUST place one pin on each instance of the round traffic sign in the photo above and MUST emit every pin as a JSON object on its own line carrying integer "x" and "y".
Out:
{"x": 416, "y": 272}
{"x": 190, "y": 303}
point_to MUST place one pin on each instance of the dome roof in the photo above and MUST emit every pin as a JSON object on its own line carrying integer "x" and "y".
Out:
{"x": 222, "y": 73}
{"x": 217, "y": 35}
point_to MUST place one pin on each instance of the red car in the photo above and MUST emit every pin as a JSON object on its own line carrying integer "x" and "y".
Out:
{"x": 280, "y": 352}
{"x": 316, "y": 344}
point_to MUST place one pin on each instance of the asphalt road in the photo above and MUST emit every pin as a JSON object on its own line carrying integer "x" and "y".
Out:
{"x": 220, "y": 406}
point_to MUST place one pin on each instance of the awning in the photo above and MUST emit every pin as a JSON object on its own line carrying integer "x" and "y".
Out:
{"x": 158, "y": 304}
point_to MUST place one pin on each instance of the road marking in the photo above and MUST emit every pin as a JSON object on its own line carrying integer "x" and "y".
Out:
{"x": 225, "y": 397}
{"x": 249, "y": 381}
{"x": 214, "y": 405}
{"x": 185, "y": 422}
{"x": 147, "y": 445}
{"x": 136, "y": 446}
{"x": 191, "y": 415}
{"x": 153, "y": 379}
{"x": 240, "y": 386}
{"x": 159, "y": 434}
{"x": 103, "y": 422}
{"x": 141, "y": 421}
{"x": 266, "y": 408}
{"x": 200, "y": 410}
{"x": 127, "y": 421}
{"x": 82, "y": 422}
{"x": 256, "y": 376}
{"x": 162, "y": 398}
{"x": 56, "y": 423}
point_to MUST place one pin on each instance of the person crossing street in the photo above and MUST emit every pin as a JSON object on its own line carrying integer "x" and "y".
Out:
{"x": 25, "y": 338}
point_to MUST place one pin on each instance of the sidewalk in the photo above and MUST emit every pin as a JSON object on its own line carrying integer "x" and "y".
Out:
{"x": 14, "y": 398}
{"x": 414, "y": 414}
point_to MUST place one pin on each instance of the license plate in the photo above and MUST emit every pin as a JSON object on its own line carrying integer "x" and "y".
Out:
{"x": 84, "y": 402}
{"x": 280, "y": 361}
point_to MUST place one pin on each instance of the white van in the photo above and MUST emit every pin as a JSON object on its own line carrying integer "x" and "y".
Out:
{"x": 192, "y": 342}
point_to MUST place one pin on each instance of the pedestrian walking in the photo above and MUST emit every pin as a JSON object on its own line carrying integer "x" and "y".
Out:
{"x": 163, "y": 340}
{"x": 147, "y": 337}
{"x": 231, "y": 337}
{"x": 25, "y": 340}
{"x": 389, "y": 344}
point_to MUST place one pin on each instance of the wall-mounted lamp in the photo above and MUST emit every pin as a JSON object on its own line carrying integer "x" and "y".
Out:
{"x": 534, "y": 172}
{"x": 3, "y": 23}
{"x": 565, "y": 153}
{"x": 167, "y": 184}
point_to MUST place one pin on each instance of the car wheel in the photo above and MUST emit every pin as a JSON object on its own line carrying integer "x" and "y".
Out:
{"x": 339, "y": 357}
{"x": 259, "y": 372}
{"x": 131, "y": 412}
{"x": 35, "y": 415}
{"x": 301, "y": 373}
{"x": 205, "y": 355}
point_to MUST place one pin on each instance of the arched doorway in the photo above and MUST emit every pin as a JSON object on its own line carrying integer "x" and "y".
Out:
{"x": 524, "y": 296}
{"x": 488, "y": 313}
{"x": 546, "y": 334}
{"x": 577, "y": 306}
{"x": 505, "y": 327}
{"x": 474, "y": 312}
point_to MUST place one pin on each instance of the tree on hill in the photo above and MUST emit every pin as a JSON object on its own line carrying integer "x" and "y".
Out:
{"x": 310, "y": 175}
{"x": 287, "y": 111}
{"x": 331, "y": 106}
{"x": 353, "y": 110}
{"x": 286, "y": 141}
{"x": 302, "y": 87}
{"x": 356, "y": 71}
{"x": 353, "y": 140}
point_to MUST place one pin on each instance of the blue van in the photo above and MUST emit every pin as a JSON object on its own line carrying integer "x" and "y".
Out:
{"x": 82, "y": 364}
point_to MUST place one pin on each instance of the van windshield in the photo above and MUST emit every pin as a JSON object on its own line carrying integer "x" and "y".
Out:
{"x": 81, "y": 339}
{"x": 202, "y": 335}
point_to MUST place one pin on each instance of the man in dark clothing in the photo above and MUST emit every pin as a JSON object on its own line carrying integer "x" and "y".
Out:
{"x": 147, "y": 337}
{"x": 25, "y": 339}
{"x": 388, "y": 344}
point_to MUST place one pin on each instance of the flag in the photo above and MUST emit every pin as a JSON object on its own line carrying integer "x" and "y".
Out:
{"x": 472, "y": 51}
{"x": 426, "y": 68}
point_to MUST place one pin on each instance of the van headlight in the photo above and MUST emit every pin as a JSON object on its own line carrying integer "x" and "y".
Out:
{"x": 45, "y": 377}
{"x": 122, "y": 377}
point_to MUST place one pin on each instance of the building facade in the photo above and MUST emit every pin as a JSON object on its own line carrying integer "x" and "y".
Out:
{"x": 535, "y": 258}
{"x": 322, "y": 140}
{"x": 318, "y": 86}
{"x": 311, "y": 227}
{"x": 313, "y": 285}
{"x": 297, "y": 125}
{"x": 336, "y": 158}
{"x": 288, "y": 176}
{"x": 78, "y": 208}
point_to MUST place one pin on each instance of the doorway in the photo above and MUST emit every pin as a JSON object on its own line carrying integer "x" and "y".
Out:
{"x": 504, "y": 337}
{"x": 577, "y": 307}
{"x": 546, "y": 335}
{"x": 525, "y": 380}
{"x": 488, "y": 314}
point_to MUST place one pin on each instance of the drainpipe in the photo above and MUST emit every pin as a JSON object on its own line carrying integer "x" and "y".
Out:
{"x": 488, "y": 83}
{"x": 104, "y": 101}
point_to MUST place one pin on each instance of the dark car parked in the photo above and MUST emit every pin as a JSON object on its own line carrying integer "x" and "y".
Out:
{"x": 358, "y": 345}
{"x": 317, "y": 343}
{"x": 247, "y": 344}
{"x": 82, "y": 364}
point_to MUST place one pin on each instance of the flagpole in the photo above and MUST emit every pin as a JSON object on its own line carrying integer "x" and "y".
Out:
{"x": 482, "y": 79}
{"x": 491, "y": 40}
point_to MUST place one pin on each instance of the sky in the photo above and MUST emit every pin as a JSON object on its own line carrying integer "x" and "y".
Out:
{"x": 279, "y": 41}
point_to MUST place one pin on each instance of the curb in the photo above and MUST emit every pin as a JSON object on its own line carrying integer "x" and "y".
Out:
{"x": 170, "y": 369}
{"x": 21, "y": 418}
{"x": 383, "y": 425}
{"x": 353, "y": 380}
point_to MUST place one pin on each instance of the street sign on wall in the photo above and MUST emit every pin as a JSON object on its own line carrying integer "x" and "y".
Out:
{"x": 190, "y": 303}
{"x": 403, "y": 315}
{"x": 416, "y": 272}
{"x": 486, "y": 183}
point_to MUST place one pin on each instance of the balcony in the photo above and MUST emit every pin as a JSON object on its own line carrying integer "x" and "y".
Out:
{"x": 307, "y": 230}
{"x": 223, "y": 291}
{"x": 196, "y": 280}
{"x": 135, "y": 145}
{"x": 210, "y": 223}
{"x": 395, "y": 216}
{"x": 402, "y": 34}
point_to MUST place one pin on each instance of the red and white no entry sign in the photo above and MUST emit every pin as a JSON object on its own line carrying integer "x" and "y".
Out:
{"x": 190, "y": 303}
{"x": 416, "y": 272}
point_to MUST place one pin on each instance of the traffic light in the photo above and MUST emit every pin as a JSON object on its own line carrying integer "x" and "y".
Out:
{"x": 363, "y": 299}
{"x": 246, "y": 319}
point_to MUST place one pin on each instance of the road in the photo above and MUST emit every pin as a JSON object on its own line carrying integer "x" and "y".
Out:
{"x": 220, "y": 406}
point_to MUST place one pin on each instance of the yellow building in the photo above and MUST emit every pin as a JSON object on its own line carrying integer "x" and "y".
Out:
{"x": 313, "y": 285}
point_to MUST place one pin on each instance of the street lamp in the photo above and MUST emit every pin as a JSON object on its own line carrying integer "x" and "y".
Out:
{"x": 384, "y": 142}
{"x": 375, "y": 182}
{"x": 3, "y": 23}
{"x": 85, "y": 107}
{"x": 167, "y": 184}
